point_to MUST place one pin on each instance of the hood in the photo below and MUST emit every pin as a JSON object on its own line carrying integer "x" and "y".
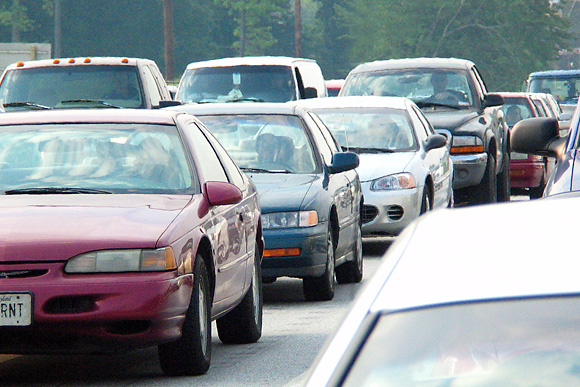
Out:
{"x": 449, "y": 120}
{"x": 57, "y": 227}
{"x": 281, "y": 191}
{"x": 373, "y": 166}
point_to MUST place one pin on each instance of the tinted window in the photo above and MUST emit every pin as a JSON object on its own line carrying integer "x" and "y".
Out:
{"x": 511, "y": 343}
{"x": 64, "y": 86}
{"x": 220, "y": 84}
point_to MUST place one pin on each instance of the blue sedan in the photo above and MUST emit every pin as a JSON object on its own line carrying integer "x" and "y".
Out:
{"x": 309, "y": 191}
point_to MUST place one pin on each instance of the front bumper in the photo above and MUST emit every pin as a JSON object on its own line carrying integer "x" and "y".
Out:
{"x": 313, "y": 255}
{"x": 387, "y": 213}
{"x": 95, "y": 313}
{"x": 468, "y": 169}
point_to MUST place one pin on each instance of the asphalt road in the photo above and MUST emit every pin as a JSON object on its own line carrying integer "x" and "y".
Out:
{"x": 294, "y": 331}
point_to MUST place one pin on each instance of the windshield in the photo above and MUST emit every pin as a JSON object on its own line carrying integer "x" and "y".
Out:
{"x": 128, "y": 158}
{"x": 370, "y": 129}
{"x": 67, "y": 86}
{"x": 533, "y": 342}
{"x": 564, "y": 89}
{"x": 228, "y": 84}
{"x": 436, "y": 87}
{"x": 268, "y": 143}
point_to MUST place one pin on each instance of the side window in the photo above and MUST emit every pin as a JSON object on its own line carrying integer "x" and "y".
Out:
{"x": 330, "y": 140}
{"x": 231, "y": 168}
{"x": 161, "y": 85}
{"x": 151, "y": 86}
{"x": 210, "y": 165}
{"x": 321, "y": 143}
{"x": 420, "y": 124}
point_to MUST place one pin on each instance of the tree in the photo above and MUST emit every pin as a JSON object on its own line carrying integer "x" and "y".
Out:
{"x": 507, "y": 39}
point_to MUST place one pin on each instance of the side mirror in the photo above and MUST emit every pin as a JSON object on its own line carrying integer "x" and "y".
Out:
{"x": 434, "y": 141}
{"x": 222, "y": 193}
{"x": 310, "y": 92}
{"x": 493, "y": 100}
{"x": 343, "y": 161}
{"x": 163, "y": 104}
{"x": 537, "y": 136}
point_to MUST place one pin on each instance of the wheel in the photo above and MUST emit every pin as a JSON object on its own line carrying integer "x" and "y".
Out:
{"x": 486, "y": 191}
{"x": 352, "y": 271}
{"x": 426, "y": 204}
{"x": 243, "y": 325}
{"x": 537, "y": 192}
{"x": 503, "y": 180}
{"x": 322, "y": 288}
{"x": 191, "y": 353}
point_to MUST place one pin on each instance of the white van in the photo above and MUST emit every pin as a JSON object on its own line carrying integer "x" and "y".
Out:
{"x": 256, "y": 78}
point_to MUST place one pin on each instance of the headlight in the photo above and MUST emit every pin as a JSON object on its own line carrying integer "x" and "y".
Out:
{"x": 290, "y": 219}
{"x": 467, "y": 144}
{"x": 394, "y": 182}
{"x": 115, "y": 261}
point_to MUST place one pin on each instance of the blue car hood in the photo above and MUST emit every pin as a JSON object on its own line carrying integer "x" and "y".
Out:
{"x": 282, "y": 191}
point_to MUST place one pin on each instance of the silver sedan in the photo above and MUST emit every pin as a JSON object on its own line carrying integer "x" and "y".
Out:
{"x": 405, "y": 167}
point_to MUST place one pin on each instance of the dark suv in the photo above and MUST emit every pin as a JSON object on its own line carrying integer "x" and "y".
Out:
{"x": 453, "y": 96}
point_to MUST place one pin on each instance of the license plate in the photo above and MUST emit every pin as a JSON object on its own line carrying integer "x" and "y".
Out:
{"x": 15, "y": 309}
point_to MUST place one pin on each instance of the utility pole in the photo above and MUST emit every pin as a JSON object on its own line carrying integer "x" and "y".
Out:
{"x": 15, "y": 16}
{"x": 57, "y": 30}
{"x": 297, "y": 29}
{"x": 168, "y": 31}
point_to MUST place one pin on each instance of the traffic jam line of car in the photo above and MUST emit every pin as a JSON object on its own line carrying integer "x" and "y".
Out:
{"x": 128, "y": 226}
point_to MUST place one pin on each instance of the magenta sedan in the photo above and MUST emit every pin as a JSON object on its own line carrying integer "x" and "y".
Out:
{"x": 124, "y": 229}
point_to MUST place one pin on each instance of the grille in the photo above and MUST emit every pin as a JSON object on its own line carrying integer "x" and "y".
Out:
{"x": 395, "y": 212}
{"x": 369, "y": 213}
{"x": 22, "y": 273}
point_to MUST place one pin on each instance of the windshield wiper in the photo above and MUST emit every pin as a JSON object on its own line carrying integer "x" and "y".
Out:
{"x": 423, "y": 104}
{"x": 262, "y": 170}
{"x": 89, "y": 101}
{"x": 368, "y": 150}
{"x": 248, "y": 99}
{"x": 54, "y": 190}
{"x": 30, "y": 105}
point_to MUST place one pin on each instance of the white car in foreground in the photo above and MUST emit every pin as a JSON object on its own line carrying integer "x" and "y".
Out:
{"x": 405, "y": 167}
{"x": 502, "y": 313}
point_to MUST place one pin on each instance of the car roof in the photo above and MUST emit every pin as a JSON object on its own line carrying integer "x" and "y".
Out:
{"x": 216, "y": 108}
{"x": 514, "y": 94}
{"x": 554, "y": 73}
{"x": 355, "y": 102}
{"x": 79, "y": 61}
{"x": 429, "y": 63}
{"x": 499, "y": 251}
{"x": 84, "y": 116}
{"x": 248, "y": 61}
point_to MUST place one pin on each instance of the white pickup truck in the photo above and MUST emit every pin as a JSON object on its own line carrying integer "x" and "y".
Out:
{"x": 84, "y": 83}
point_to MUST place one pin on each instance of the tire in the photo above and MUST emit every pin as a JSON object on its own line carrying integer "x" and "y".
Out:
{"x": 322, "y": 288}
{"x": 537, "y": 192}
{"x": 191, "y": 353}
{"x": 426, "y": 204}
{"x": 243, "y": 325}
{"x": 486, "y": 191}
{"x": 352, "y": 271}
{"x": 503, "y": 180}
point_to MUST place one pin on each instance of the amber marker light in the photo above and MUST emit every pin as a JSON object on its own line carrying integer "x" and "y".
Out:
{"x": 56, "y": 61}
{"x": 292, "y": 252}
{"x": 124, "y": 60}
{"x": 467, "y": 149}
{"x": 87, "y": 60}
{"x": 71, "y": 61}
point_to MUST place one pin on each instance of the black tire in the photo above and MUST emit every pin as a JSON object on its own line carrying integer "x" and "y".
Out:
{"x": 322, "y": 288}
{"x": 191, "y": 353}
{"x": 486, "y": 191}
{"x": 352, "y": 271}
{"x": 243, "y": 325}
{"x": 503, "y": 180}
{"x": 426, "y": 204}
{"x": 537, "y": 192}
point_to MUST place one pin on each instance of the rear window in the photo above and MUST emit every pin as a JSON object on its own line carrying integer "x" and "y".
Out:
{"x": 70, "y": 86}
{"x": 226, "y": 84}
{"x": 564, "y": 89}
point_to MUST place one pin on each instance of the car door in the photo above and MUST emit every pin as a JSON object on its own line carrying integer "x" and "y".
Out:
{"x": 344, "y": 186}
{"x": 436, "y": 161}
{"x": 226, "y": 225}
